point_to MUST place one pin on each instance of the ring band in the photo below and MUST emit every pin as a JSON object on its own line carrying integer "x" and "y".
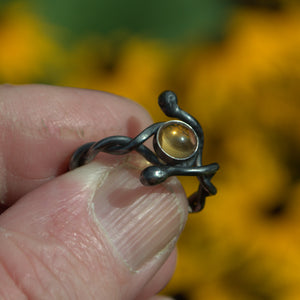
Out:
{"x": 177, "y": 144}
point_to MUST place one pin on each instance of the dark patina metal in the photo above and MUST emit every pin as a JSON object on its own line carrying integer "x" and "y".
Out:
{"x": 163, "y": 165}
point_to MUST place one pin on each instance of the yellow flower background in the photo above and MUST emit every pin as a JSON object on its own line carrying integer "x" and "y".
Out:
{"x": 245, "y": 91}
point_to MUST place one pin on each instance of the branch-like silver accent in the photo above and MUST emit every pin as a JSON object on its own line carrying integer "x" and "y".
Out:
{"x": 164, "y": 165}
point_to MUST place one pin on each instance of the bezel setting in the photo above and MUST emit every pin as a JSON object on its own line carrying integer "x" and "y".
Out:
{"x": 163, "y": 154}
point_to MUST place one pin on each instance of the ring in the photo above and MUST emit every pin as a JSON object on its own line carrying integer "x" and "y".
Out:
{"x": 177, "y": 145}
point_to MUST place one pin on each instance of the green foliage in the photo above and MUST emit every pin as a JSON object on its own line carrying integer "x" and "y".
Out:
{"x": 174, "y": 20}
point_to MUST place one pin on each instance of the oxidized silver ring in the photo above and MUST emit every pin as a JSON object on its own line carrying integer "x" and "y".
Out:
{"x": 177, "y": 145}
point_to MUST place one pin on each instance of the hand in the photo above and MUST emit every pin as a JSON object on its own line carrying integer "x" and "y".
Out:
{"x": 95, "y": 232}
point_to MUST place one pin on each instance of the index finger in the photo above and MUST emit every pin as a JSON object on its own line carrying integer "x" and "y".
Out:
{"x": 42, "y": 125}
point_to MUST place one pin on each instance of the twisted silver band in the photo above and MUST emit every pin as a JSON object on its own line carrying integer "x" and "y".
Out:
{"x": 164, "y": 165}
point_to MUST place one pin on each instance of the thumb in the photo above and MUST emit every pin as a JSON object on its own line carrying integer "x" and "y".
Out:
{"x": 94, "y": 232}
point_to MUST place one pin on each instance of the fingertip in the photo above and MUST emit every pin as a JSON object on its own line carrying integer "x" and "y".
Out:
{"x": 45, "y": 124}
{"x": 104, "y": 223}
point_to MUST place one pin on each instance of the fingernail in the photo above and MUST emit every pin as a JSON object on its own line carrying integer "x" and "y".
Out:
{"x": 141, "y": 222}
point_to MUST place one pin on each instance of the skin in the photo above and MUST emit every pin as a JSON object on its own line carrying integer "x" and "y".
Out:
{"x": 40, "y": 127}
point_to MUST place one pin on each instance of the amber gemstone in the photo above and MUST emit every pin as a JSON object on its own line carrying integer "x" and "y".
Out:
{"x": 177, "y": 140}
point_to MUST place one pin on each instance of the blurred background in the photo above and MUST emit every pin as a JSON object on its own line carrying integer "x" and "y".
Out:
{"x": 235, "y": 65}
